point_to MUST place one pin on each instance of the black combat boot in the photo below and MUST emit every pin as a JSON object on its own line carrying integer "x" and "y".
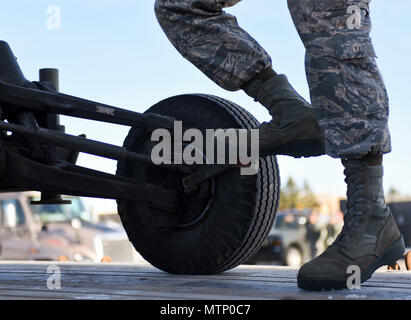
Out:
{"x": 294, "y": 130}
{"x": 369, "y": 239}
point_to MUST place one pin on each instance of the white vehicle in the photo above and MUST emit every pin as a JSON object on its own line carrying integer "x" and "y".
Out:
{"x": 46, "y": 232}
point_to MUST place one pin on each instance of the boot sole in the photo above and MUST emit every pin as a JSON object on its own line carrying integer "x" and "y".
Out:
{"x": 388, "y": 257}
{"x": 298, "y": 149}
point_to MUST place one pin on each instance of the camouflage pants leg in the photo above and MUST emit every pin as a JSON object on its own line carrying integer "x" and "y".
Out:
{"x": 346, "y": 87}
{"x": 212, "y": 40}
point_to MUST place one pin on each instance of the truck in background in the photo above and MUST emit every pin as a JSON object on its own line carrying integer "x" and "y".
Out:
{"x": 47, "y": 232}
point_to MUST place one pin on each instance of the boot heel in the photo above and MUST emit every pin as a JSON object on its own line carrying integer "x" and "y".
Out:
{"x": 393, "y": 253}
{"x": 388, "y": 257}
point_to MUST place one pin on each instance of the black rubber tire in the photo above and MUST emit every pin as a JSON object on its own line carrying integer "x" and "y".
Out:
{"x": 239, "y": 215}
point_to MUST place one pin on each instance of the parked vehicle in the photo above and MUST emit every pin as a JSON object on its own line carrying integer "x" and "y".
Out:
{"x": 293, "y": 240}
{"x": 46, "y": 232}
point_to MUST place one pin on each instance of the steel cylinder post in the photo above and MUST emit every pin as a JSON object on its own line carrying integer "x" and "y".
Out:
{"x": 50, "y": 75}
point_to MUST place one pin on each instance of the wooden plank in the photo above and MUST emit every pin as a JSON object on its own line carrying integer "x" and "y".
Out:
{"x": 28, "y": 280}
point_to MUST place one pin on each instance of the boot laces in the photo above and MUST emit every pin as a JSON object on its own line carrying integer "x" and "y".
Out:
{"x": 355, "y": 207}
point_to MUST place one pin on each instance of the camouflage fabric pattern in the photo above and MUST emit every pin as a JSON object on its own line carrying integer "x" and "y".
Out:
{"x": 212, "y": 40}
{"x": 229, "y": 3}
{"x": 347, "y": 90}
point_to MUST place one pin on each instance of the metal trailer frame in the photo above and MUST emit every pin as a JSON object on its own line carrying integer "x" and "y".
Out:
{"x": 37, "y": 154}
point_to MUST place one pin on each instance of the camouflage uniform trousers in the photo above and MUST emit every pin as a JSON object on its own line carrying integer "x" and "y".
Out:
{"x": 346, "y": 88}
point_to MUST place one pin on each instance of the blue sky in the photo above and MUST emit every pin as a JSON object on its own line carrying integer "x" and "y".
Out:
{"x": 114, "y": 52}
